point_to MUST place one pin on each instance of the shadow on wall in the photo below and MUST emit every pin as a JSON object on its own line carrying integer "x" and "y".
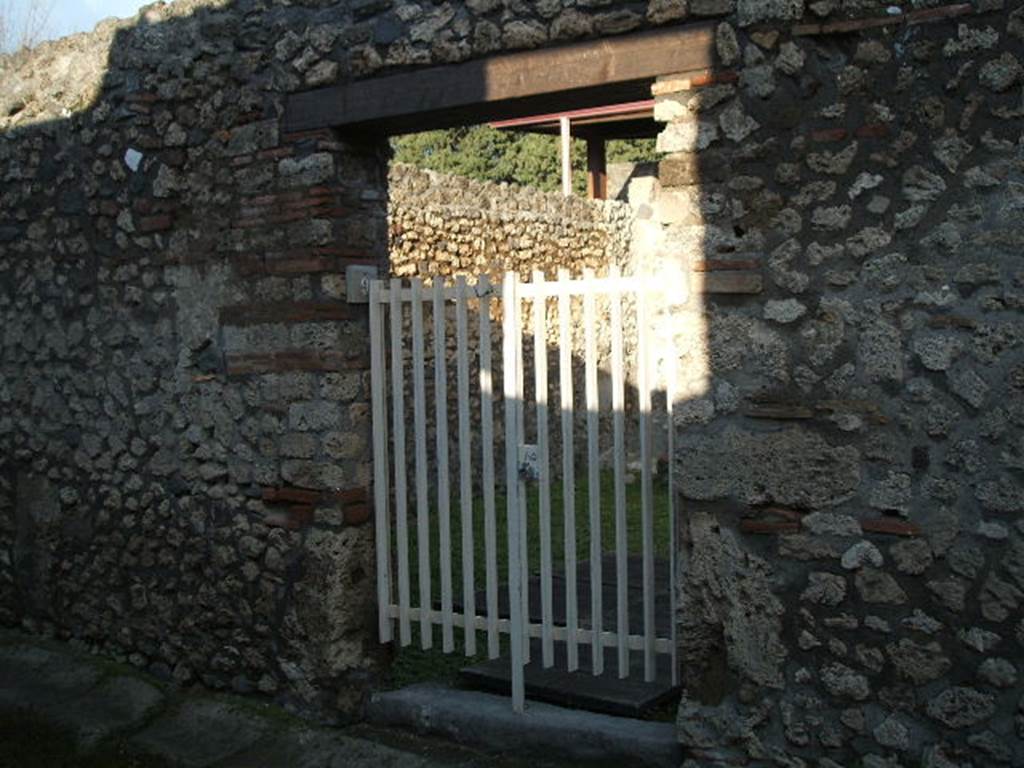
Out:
{"x": 184, "y": 433}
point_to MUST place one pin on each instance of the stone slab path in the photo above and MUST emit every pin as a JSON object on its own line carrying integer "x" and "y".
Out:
{"x": 96, "y": 700}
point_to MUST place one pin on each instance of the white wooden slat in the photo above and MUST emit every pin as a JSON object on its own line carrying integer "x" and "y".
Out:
{"x": 487, "y": 449}
{"x": 382, "y": 520}
{"x": 524, "y": 520}
{"x": 593, "y": 475}
{"x": 540, "y": 370}
{"x": 443, "y": 483}
{"x": 465, "y": 462}
{"x": 420, "y": 440}
{"x": 673, "y": 538}
{"x": 568, "y": 468}
{"x": 608, "y": 639}
{"x": 401, "y": 489}
{"x": 513, "y": 403}
{"x": 619, "y": 469}
{"x": 646, "y": 489}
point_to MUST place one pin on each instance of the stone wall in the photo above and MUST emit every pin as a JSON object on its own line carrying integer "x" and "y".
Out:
{"x": 847, "y": 202}
{"x": 183, "y": 460}
{"x": 441, "y": 224}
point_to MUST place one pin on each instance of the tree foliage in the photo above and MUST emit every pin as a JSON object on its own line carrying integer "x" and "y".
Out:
{"x": 483, "y": 153}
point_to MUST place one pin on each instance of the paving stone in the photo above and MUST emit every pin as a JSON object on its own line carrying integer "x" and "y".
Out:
{"x": 200, "y": 733}
{"x": 117, "y": 705}
{"x": 307, "y": 748}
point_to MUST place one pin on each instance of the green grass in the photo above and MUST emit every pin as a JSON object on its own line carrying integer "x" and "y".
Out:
{"x": 412, "y": 664}
{"x": 28, "y": 741}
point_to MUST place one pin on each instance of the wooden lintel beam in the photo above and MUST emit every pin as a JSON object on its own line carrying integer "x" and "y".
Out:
{"x": 508, "y": 85}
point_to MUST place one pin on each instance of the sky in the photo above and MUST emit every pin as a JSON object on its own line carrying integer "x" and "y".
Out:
{"x": 69, "y": 16}
{"x": 81, "y": 15}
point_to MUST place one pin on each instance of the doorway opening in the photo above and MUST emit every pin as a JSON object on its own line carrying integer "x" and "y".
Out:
{"x": 602, "y": 92}
{"x": 527, "y": 198}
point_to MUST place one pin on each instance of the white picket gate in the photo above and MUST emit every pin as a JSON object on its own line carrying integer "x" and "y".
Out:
{"x": 397, "y": 312}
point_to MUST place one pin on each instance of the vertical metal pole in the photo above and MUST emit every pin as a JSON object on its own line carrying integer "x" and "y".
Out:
{"x": 568, "y": 467}
{"x": 597, "y": 170}
{"x": 619, "y": 462}
{"x": 524, "y": 517}
{"x": 646, "y": 485}
{"x": 540, "y": 397}
{"x": 401, "y": 471}
{"x": 513, "y": 403}
{"x": 566, "y": 131}
{"x": 443, "y": 485}
{"x": 593, "y": 471}
{"x": 465, "y": 468}
{"x": 487, "y": 449}
{"x": 422, "y": 489}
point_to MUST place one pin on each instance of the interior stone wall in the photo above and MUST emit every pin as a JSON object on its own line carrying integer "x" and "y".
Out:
{"x": 440, "y": 224}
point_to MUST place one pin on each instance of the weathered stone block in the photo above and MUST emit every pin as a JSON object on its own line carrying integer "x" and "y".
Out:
{"x": 250, "y": 138}
{"x": 306, "y": 171}
{"x": 845, "y": 683}
{"x": 876, "y": 586}
{"x": 792, "y": 467}
{"x": 731, "y": 283}
{"x": 754, "y": 11}
{"x": 960, "y": 707}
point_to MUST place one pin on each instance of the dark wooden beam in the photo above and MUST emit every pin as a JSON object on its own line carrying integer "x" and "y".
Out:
{"x": 510, "y": 85}
{"x": 597, "y": 170}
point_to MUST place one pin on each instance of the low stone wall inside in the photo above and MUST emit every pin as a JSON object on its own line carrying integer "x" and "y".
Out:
{"x": 439, "y": 224}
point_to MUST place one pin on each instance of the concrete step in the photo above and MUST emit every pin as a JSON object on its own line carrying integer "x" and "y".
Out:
{"x": 487, "y": 721}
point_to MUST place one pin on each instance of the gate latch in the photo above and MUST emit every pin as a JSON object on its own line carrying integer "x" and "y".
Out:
{"x": 529, "y": 463}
